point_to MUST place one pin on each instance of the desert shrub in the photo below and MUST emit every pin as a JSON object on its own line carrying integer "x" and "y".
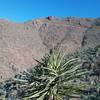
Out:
{"x": 54, "y": 78}
{"x": 92, "y": 93}
{"x": 90, "y": 59}
{"x": 97, "y": 21}
{"x": 10, "y": 90}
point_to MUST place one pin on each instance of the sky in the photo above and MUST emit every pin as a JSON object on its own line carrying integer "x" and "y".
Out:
{"x": 23, "y": 10}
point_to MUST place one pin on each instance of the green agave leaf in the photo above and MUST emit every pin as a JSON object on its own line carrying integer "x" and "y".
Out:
{"x": 72, "y": 70}
{"x": 20, "y": 80}
{"x": 68, "y": 62}
{"x": 69, "y": 89}
{"x": 81, "y": 73}
{"x": 60, "y": 61}
{"x": 27, "y": 72}
{"x": 71, "y": 77}
{"x": 53, "y": 71}
{"x": 43, "y": 91}
{"x": 68, "y": 65}
{"x": 52, "y": 74}
{"x": 42, "y": 97}
{"x": 54, "y": 60}
{"x": 52, "y": 80}
{"x": 32, "y": 83}
{"x": 38, "y": 94}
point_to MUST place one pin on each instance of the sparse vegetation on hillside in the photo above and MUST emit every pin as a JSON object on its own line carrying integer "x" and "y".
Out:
{"x": 58, "y": 77}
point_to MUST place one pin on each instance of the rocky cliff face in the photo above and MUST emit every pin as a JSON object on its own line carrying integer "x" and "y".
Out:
{"x": 21, "y": 42}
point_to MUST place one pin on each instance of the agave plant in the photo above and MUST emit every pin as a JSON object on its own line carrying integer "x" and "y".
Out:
{"x": 55, "y": 78}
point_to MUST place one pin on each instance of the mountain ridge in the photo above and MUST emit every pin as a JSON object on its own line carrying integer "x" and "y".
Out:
{"x": 20, "y": 43}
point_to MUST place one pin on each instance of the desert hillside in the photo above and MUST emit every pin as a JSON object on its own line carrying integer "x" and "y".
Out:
{"x": 20, "y": 43}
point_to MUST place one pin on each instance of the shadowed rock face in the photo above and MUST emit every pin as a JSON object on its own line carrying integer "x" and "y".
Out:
{"x": 21, "y": 42}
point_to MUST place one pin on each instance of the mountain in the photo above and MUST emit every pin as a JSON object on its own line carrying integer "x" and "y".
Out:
{"x": 21, "y": 43}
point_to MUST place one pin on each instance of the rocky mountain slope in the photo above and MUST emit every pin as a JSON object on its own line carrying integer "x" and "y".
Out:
{"x": 20, "y": 43}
